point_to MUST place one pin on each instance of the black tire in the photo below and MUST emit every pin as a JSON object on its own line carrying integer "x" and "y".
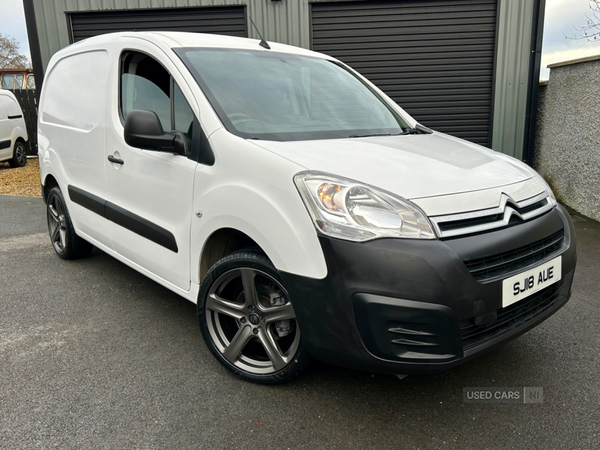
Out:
{"x": 65, "y": 241}
{"x": 224, "y": 285}
{"x": 19, "y": 158}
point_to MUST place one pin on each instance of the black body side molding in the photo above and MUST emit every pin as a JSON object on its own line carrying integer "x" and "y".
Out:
{"x": 4, "y": 144}
{"x": 141, "y": 226}
{"x": 87, "y": 200}
{"x": 124, "y": 218}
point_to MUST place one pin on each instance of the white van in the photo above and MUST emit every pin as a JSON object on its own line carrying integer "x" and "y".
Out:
{"x": 304, "y": 212}
{"x": 13, "y": 132}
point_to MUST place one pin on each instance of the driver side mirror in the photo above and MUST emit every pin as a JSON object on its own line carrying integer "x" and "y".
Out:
{"x": 144, "y": 130}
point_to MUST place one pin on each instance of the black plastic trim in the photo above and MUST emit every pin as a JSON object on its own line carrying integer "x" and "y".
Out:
{"x": 394, "y": 328}
{"x": 201, "y": 149}
{"x": 87, "y": 200}
{"x": 398, "y": 305}
{"x": 5, "y": 144}
{"x": 16, "y": 116}
{"x": 141, "y": 226}
{"x": 508, "y": 263}
{"x": 124, "y": 218}
{"x": 114, "y": 160}
{"x": 475, "y": 334}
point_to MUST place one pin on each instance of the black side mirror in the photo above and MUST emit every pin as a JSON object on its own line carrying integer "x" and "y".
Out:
{"x": 144, "y": 130}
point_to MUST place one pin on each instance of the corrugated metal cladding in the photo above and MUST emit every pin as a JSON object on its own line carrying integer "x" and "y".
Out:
{"x": 434, "y": 49}
{"x": 435, "y": 58}
{"x": 230, "y": 20}
{"x": 284, "y": 21}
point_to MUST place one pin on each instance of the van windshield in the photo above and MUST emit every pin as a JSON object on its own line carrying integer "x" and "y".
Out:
{"x": 285, "y": 97}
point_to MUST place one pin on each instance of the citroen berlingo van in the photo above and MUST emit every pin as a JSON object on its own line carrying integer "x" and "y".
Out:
{"x": 304, "y": 212}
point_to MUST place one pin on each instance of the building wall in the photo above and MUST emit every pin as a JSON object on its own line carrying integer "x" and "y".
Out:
{"x": 560, "y": 155}
{"x": 512, "y": 75}
{"x": 287, "y": 21}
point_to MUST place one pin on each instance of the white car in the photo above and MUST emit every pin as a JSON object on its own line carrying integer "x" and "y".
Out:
{"x": 13, "y": 132}
{"x": 304, "y": 212}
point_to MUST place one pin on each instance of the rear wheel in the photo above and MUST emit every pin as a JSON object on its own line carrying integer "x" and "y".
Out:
{"x": 19, "y": 158}
{"x": 62, "y": 234}
{"x": 248, "y": 321}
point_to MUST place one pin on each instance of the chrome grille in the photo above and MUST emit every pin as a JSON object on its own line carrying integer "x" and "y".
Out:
{"x": 508, "y": 213}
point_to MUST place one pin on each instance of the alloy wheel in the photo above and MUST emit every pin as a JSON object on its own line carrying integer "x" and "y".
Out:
{"x": 57, "y": 224}
{"x": 20, "y": 154}
{"x": 251, "y": 321}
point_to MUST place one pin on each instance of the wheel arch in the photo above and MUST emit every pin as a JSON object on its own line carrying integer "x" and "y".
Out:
{"x": 274, "y": 220}
{"x": 221, "y": 243}
{"x": 49, "y": 183}
{"x": 19, "y": 133}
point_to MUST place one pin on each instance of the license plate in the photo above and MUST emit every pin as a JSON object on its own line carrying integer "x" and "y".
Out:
{"x": 523, "y": 285}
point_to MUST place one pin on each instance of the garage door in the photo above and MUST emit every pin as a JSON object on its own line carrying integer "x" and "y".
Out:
{"x": 434, "y": 58}
{"x": 230, "y": 20}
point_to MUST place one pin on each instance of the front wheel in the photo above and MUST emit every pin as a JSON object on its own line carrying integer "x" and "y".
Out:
{"x": 248, "y": 321}
{"x": 19, "y": 158}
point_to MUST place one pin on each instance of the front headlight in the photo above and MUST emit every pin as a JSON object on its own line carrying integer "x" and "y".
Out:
{"x": 353, "y": 211}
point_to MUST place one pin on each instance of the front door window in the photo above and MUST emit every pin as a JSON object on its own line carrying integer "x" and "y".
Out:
{"x": 146, "y": 85}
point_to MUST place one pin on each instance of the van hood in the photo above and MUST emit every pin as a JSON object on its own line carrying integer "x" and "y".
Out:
{"x": 412, "y": 166}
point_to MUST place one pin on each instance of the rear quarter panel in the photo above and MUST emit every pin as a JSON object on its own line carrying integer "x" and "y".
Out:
{"x": 71, "y": 129}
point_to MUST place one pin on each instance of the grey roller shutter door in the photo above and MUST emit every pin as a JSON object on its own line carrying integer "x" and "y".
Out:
{"x": 434, "y": 58}
{"x": 230, "y": 20}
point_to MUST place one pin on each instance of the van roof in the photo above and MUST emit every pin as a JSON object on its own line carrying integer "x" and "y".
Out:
{"x": 176, "y": 39}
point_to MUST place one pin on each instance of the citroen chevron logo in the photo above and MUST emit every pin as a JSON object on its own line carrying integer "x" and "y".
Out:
{"x": 508, "y": 205}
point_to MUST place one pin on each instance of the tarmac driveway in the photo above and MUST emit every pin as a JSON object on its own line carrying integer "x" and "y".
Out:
{"x": 95, "y": 355}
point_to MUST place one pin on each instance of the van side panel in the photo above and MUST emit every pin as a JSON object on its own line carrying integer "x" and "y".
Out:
{"x": 72, "y": 126}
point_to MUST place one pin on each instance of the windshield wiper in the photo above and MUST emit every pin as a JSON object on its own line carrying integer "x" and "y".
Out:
{"x": 371, "y": 135}
{"x": 410, "y": 131}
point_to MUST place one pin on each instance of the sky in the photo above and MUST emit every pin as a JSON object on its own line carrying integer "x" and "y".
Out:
{"x": 561, "y": 17}
{"x": 12, "y": 23}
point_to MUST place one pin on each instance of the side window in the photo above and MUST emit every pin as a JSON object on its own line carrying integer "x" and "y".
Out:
{"x": 31, "y": 82}
{"x": 146, "y": 85}
{"x": 183, "y": 115}
{"x": 19, "y": 81}
{"x": 8, "y": 81}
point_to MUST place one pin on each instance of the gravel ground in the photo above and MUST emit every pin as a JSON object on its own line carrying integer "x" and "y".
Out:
{"x": 24, "y": 181}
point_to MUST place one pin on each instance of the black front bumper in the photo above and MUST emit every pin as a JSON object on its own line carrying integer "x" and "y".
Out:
{"x": 412, "y": 306}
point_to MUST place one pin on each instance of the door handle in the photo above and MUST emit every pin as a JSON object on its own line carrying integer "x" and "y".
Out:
{"x": 112, "y": 159}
